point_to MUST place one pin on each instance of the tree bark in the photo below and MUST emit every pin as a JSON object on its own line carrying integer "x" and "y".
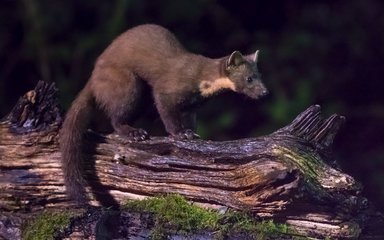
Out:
{"x": 288, "y": 176}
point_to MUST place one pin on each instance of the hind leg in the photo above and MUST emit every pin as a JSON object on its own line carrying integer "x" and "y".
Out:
{"x": 119, "y": 93}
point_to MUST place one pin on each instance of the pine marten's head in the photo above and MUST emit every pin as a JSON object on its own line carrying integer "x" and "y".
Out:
{"x": 240, "y": 74}
{"x": 243, "y": 72}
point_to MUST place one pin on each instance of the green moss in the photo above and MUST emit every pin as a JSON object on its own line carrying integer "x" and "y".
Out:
{"x": 312, "y": 168}
{"x": 173, "y": 211}
{"x": 174, "y": 215}
{"x": 46, "y": 225}
{"x": 307, "y": 163}
{"x": 239, "y": 222}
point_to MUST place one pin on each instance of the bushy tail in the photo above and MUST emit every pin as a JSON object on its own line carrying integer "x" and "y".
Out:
{"x": 71, "y": 145}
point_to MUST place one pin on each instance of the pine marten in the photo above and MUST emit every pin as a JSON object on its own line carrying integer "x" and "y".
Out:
{"x": 149, "y": 55}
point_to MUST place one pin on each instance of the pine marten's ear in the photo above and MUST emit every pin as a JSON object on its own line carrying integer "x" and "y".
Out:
{"x": 253, "y": 57}
{"x": 235, "y": 59}
{"x": 256, "y": 56}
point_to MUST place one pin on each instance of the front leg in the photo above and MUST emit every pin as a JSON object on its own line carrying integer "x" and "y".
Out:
{"x": 126, "y": 131}
{"x": 178, "y": 124}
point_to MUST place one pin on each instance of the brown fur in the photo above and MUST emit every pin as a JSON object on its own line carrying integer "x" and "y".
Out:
{"x": 148, "y": 54}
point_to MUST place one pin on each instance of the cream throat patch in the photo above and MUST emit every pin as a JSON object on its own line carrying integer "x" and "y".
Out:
{"x": 208, "y": 88}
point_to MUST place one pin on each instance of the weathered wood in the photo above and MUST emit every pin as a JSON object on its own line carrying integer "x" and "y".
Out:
{"x": 286, "y": 175}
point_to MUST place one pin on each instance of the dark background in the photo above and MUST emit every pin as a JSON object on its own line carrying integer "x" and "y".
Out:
{"x": 329, "y": 53}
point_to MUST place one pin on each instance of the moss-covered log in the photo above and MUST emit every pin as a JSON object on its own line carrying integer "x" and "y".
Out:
{"x": 287, "y": 176}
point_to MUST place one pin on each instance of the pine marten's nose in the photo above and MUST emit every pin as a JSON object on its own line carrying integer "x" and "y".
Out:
{"x": 265, "y": 91}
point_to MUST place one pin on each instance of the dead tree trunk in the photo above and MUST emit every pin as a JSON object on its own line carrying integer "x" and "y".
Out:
{"x": 287, "y": 175}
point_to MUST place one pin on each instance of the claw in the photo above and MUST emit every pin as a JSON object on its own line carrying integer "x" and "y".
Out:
{"x": 187, "y": 134}
{"x": 138, "y": 135}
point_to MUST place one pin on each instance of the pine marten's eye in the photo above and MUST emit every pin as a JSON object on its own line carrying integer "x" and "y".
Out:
{"x": 249, "y": 79}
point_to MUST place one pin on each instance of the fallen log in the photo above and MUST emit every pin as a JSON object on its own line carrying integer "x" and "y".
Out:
{"x": 287, "y": 176}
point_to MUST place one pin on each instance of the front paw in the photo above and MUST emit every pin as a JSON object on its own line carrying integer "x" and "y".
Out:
{"x": 187, "y": 134}
{"x": 137, "y": 135}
